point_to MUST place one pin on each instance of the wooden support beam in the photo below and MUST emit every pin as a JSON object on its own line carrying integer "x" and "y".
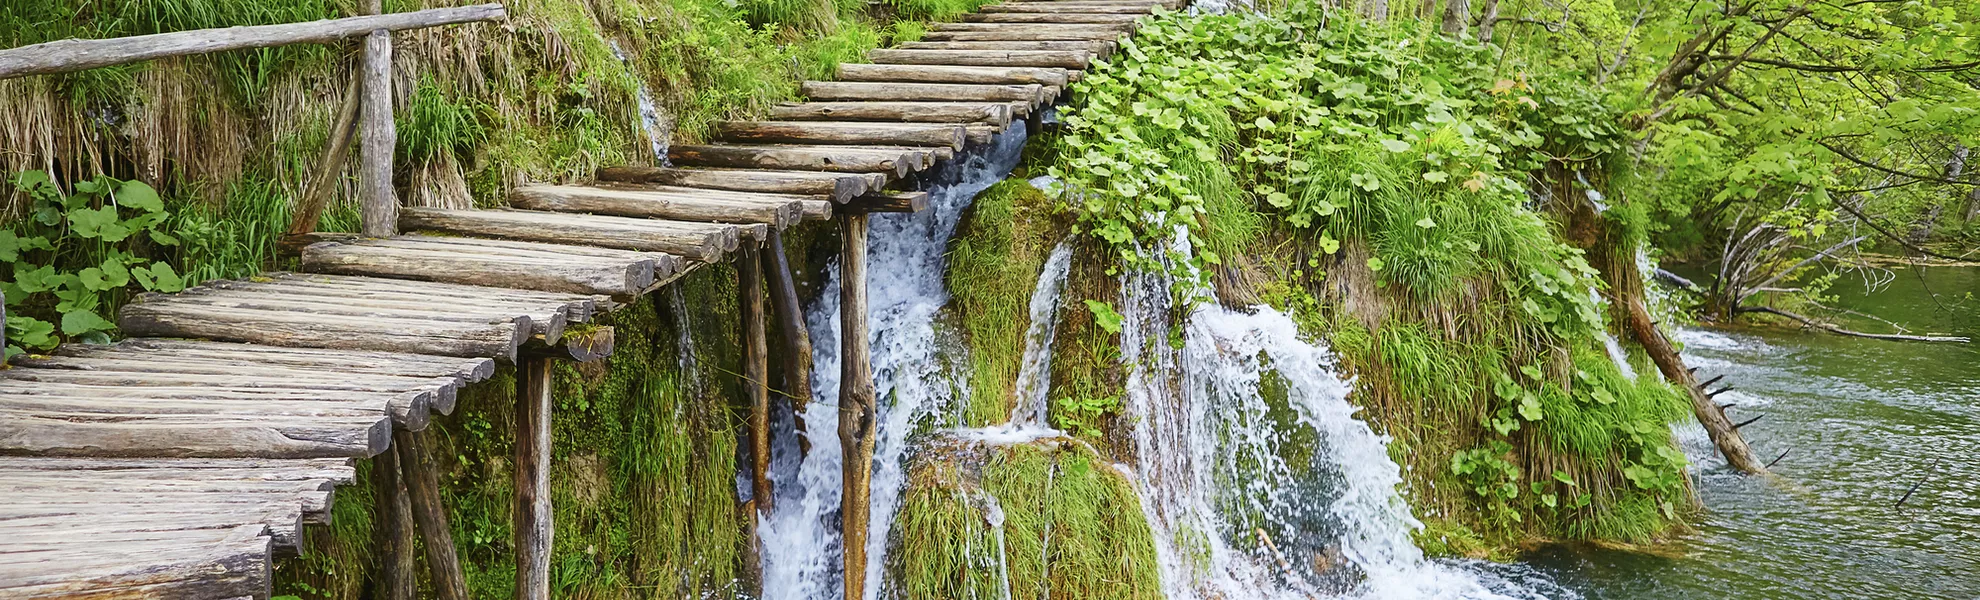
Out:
{"x": 323, "y": 181}
{"x": 857, "y": 404}
{"x": 378, "y": 202}
{"x": 75, "y": 55}
{"x": 879, "y": 202}
{"x": 1052, "y": 7}
{"x": 590, "y": 343}
{"x": 1061, "y": 18}
{"x": 864, "y": 91}
{"x": 677, "y": 204}
{"x": 897, "y": 161}
{"x": 422, "y": 481}
{"x": 790, "y": 321}
{"x": 396, "y": 536}
{"x": 1046, "y": 76}
{"x": 948, "y": 135}
{"x": 756, "y": 386}
{"x": 532, "y": 442}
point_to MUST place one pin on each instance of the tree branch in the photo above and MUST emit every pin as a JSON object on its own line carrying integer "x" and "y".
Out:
{"x": 1840, "y": 331}
{"x": 1883, "y": 169}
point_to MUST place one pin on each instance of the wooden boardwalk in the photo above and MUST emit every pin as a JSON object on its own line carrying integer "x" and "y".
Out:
{"x": 179, "y": 463}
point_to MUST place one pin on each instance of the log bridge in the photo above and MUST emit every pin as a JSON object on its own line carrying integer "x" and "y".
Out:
{"x": 181, "y": 461}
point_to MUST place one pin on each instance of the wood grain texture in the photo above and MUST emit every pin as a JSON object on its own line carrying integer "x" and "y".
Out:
{"x": 950, "y": 136}
{"x": 1044, "y": 76}
{"x": 429, "y": 511}
{"x": 532, "y": 479}
{"x": 839, "y": 187}
{"x": 378, "y": 202}
{"x": 857, "y": 404}
{"x": 898, "y": 162}
{"x": 677, "y": 204}
{"x": 697, "y": 241}
{"x": 995, "y": 113}
{"x": 859, "y": 91}
{"x": 1069, "y": 59}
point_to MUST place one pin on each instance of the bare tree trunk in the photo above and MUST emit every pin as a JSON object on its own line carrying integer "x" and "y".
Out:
{"x": 1426, "y": 9}
{"x": 1457, "y": 13}
{"x": 1376, "y": 10}
{"x": 1487, "y": 21}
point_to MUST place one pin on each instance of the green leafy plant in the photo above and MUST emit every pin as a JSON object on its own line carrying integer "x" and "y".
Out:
{"x": 1081, "y": 415}
{"x": 77, "y": 256}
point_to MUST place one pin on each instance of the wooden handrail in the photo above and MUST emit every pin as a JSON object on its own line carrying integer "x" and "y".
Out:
{"x": 76, "y": 54}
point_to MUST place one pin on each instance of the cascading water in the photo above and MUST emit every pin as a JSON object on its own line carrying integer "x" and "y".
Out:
{"x": 1035, "y": 367}
{"x": 801, "y": 540}
{"x": 1213, "y": 466}
{"x": 658, "y": 131}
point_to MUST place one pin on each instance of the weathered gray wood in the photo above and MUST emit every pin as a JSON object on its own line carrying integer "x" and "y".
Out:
{"x": 460, "y": 264}
{"x": 494, "y": 340}
{"x": 840, "y": 187}
{"x": 862, "y": 91}
{"x": 75, "y": 55}
{"x": 422, "y": 483}
{"x": 1069, "y": 59}
{"x": 1025, "y": 34}
{"x": 73, "y": 522}
{"x": 1095, "y": 48}
{"x": 196, "y": 564}
{"x": 492, "y": 305}
{"x": 336, "y": 470}
{"x": 681, "y": 205}
{"x": 222, "y": 295}
{"x": 1045, "y": 76}
{"x": 587, "y": 344}
{"x": 796, "y": 336}
{"x": 532, "y": 444}
{"x": 376, "y": 363}
{"x": 844, "y": 159}
{"x": 134, "y": 434}
{"x": 577, "y": 307}
{"x": 998, "y": 114}
{"x": 755, "y": 372}
{"x": 697, "y": 241}
{"x": 857, "y": 404}
{"x": 395, "y": 536}
{"x": 408, "y": 401}
{"x": 1125, "y": 8}
{"x": 378, "y": 202}
{"x": 1055, "y": 17}
{"x": 951, "y": 136}
{"x": 336, "y": 153}
{"x": 879, "y": 202}
{"x": 1117, "y": 28}
{"x": 1085, "y": 4}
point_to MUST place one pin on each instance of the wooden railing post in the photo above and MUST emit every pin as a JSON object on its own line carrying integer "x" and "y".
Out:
{"x": 397, "y": 540}
{"x": 378, "y": 202}
{"x": 430, "y": 512}
{"x": 534, "y": 525}
{"x": 856, "y": 400}
{"x": 796, "y": 338}
{"x": 756, "y": 385}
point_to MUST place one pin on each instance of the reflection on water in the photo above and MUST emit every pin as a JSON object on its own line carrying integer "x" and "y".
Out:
{"x": 1862, "y": 422}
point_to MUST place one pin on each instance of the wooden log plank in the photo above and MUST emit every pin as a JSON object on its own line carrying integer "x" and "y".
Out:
{"x": 283, "y": 519}
{"x": 1069, "y": 59}
{"x": 395, "y": 537}
{"x": 778, "y": 211}
{"x": 863, "y": 91}
{"x": 409, "y": 401}
{"x": 1019, "y": 35}
{"x": 1135, "y": 8}
{"x": 857, "y": 404}
{"x": 439, "y": 263}
{"x": 338, "y": 470}
{"x": 532, "y": 481}
{"x": 409, "y": 409}
{"x": 1044, "y": 76}
{"x": 289, "y": 303}
{"x": 338, "y": 361}
{"x": 1057, "y": 18}
{"x": 1095, "y": 48}
{"x": 1117, "y": 27}
{"x": 697, "y": 241}
{"x": 998, "y": 114}
{"x": 422, "y": 483}
{"x": 951, "y": 136}
{"x": 796, "y": 335}
{"x": 495, "y": 340}
{"x": 589, "y": 344}
{"x": 237, "y": 564}
{"x": 576, "y": 308}
{"x": 132, "y": 434}
{"x": 756, "y": 373}
{"x": 839, "y": 187}
{"x": 844, "y": 159}
{"x": 907, "y": 202}
{"x": 76, "y": 54}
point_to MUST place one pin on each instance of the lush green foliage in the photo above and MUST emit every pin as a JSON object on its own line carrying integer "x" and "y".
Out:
{"x": 993, "y": 261}
{"x": 77, "y": 257}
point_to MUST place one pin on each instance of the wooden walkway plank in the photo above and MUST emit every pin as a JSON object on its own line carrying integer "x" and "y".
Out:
{"x": 1136, "y": 8}
{"x": 149, "y": 435}
{"x": 948, "y": 135}
{"x": 863, "y": 91}
{"x": 898, "y": 162}
{"x": 1116, "y": 28}
{"x": 997, "y": 114}
{"x": 500, "y": 267}
{"x": 1044, "y": 76}
{"x": 1055, "y": 18}
{"x": 467, "y": 370}
{"x": 1069, "y": 59}
{"x": 840, "y": 187}
{"x": 697, "y": 241}
{"x": 1016, "y": 35}
{"x": 675, "y": 204}
{"x": 194, "y": 565}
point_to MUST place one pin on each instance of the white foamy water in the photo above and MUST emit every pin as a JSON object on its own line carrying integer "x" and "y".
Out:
{"x": 906, "y": 260}
{"x": 1617, "y": 354}
{"x": 1034, "y": 380}
{"x": 658, "y": 131}
{"x": 1212, "y": 472}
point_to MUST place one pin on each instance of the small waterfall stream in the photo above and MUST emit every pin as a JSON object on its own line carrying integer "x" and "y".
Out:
{"x": 801, "y": 540}
{"x": 1035, "y": 368}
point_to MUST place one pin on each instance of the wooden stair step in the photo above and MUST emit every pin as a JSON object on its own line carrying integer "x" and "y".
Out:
{"x": 866, "y": 91}
{"x": 706, "y": 242}
{"x": 496, "y": 264}
{"x": 996, "y": 114}
{"x": 1122, "y": 8}
{"x": 1115, "y": 28}
{"x": 677, "y": 204}
{"x": 222, "y": 563}
{"x": 805, "y": 207}
{"x": 1054, "y": 17}
{"x": 898, "y": 161}
{"x": 947, "y": 135}
{"x": 886, "y": 202}
{"x": 1044, "y": 76}
{"x": 71, "y": 433}
{"x": 840, "y": 187}
{"x": 1069, "y": 59}
{"x": 1020, "y": 34}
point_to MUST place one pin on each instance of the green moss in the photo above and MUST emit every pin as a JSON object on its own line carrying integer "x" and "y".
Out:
{"x": 994, "y": 261}
{"x": 1073, "y": 527}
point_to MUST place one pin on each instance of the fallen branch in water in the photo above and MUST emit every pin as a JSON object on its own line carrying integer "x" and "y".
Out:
{"x": 1921, "y": 481}
{"x": 1840, "y": 331}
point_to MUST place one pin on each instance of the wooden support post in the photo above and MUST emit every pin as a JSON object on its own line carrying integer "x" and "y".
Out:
{"x": 423, "y": 488}
{"x": 857, "y": 404}
{"x": 378, "y": 202}
{"x": 3, "y": 327}
{"x": 797, "y": 337}
{"x": 533, "y": 520}
{"x": 756, "y": 385}
{"x": 397, "y": 541}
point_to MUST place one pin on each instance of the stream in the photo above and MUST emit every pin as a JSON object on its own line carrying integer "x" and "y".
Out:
{"x": 1862, "y": 421}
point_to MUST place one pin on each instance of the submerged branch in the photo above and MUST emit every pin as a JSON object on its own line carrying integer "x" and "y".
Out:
{"x": 1840, "y": 331}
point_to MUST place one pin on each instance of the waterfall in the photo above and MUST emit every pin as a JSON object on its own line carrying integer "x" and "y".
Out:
{"x": 658, "y": 131}
{"x": 1213, "y": 468}
{"x": 1609, "y": 343}
{"x": 1035, "y": 367}
{"x": 801, "y": 540}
